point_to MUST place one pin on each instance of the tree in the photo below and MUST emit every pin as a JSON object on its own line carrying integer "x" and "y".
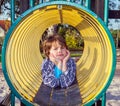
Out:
{"x": 112, "y": 4}
{"x": 1, "y": 3}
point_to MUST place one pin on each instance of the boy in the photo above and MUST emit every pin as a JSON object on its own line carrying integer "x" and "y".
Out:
{"x": 58, "y": 69}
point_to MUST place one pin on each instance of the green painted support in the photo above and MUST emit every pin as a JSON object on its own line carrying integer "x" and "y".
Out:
{"x": 31, "y": 3}
{"x": 106, "y": 3}
{"x": 12, "y": 99}
{"x": 104, "y": 99}
{"x": 81, "y": 2}
{"x": 71, "y": 0}
{"x": 88, "y": 3}
{"x": 12, "y": 11}
{"x": 0, "y": 58}
{"x": 41, "y": 1}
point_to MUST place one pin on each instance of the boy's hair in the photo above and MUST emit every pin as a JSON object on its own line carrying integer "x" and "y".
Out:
{"x": 47, "y": 44}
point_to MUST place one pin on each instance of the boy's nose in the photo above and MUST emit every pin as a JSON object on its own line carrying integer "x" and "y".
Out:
{"x": 59, "y": 50}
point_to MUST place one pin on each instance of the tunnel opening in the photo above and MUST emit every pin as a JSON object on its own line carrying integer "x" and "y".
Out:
{"x": 22, "y": 57}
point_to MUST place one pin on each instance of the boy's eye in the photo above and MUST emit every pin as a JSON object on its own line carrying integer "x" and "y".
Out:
{"x": 55, "y": 48}
{"x": 63, "y": 47}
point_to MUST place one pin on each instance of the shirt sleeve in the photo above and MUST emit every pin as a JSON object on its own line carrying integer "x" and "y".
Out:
{"x": 48, "y": 76}
{"x": 69, "y": 76}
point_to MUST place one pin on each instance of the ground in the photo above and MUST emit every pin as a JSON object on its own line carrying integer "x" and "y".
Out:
{"x": 113, "y": 93}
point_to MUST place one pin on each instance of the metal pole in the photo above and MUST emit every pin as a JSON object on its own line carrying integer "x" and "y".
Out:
{"x": 12, "y": 11}
{"x": 117, "y": 38}
{"x": 88, "y": 3}
{"x": 12, "y": 99}
{"x": 41, "y": 1}
{"x": 104, "y": 99}
{"x": 106, "y": 3}
{"x": 31, "y": 3}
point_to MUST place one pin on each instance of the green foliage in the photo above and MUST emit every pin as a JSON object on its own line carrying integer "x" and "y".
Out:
{"x": 76, "y": 55}
{"x": 116, "y": 36}
{"x": 61, "y": 30}
{"x": 72, "y": 36}
{"x": 113, "y": 32}
{"x": 71, "y": 41}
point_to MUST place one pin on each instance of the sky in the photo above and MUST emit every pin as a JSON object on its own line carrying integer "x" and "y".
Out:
{"x": 5, "y": 15}
{"x": 113, "y": 5}
{"x": 114, "y": 23}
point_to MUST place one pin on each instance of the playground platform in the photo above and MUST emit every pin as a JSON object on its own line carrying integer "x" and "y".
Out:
{"x": 112, "y": 95}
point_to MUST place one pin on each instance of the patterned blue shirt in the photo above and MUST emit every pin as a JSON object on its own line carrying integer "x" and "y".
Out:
{"x": 65, "y": 79}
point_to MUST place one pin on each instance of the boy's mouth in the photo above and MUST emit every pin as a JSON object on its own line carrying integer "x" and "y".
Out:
{"x": 60, "y": 55}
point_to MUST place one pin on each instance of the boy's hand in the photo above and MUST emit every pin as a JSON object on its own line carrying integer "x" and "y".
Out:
{"x": 64, "y": 65}
{"x": 66, "y": 57}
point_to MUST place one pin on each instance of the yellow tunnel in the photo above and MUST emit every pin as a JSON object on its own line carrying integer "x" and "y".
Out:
{"x": 22, "y": 57}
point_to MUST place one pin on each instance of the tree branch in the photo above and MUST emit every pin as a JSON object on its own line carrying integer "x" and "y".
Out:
{"x": 1, "y": 3}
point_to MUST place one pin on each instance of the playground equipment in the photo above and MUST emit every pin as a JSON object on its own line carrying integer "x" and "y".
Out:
{"x": 21, "y": 57}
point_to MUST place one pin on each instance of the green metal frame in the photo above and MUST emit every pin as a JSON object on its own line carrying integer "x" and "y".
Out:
{"x": 104, "y": 99}
{"x": 12, "y": 99}
{"x": 88, "y": 3}
{"x": 19, "y": 19}
{"x": 106, "y": 3}
{"x": 12, "y": 11}
{"x": 31, "y": 3}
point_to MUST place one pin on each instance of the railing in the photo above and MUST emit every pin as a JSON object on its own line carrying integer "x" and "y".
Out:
{"x": 85, "y": 3}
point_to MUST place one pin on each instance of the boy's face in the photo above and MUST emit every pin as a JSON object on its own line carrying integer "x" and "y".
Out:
{"x": 57, "y": 51}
